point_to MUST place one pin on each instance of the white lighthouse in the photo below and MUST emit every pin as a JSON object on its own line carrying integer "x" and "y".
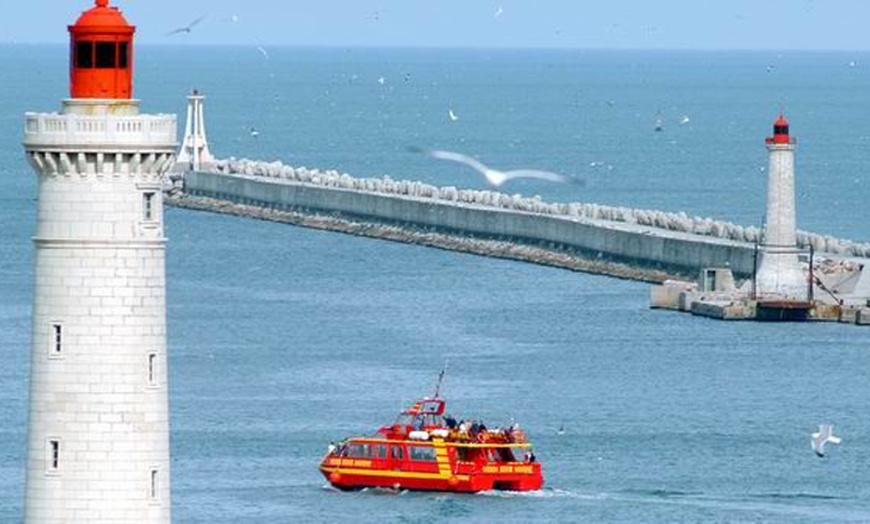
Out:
{"x": 779, "y": 273}
{"x": 193, "y": 153}
{"x": 98, "y": 436}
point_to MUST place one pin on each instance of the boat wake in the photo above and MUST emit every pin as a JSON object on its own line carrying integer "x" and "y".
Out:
{"x": 384, "y": 491}
{"x": 545, "y": 493}
{"x": 794, "y": 496}
{"x": 779, "y": 504}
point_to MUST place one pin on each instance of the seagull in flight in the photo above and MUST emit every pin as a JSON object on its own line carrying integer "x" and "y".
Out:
{"x": 453, "y": 116}
{"x": 188, "y": 28}
{"x": 822, "y": 437}
{"x": 493, "y": 176}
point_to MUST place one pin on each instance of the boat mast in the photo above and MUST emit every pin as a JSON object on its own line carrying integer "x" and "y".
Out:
{"x": 440, "y": 380}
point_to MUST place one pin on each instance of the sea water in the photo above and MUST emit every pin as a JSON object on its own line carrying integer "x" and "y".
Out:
{"x": 283, "y": 339}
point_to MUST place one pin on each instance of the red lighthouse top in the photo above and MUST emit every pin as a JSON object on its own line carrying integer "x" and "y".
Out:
{"x": 101, "y": 54}
{"x": 780, "y": 132}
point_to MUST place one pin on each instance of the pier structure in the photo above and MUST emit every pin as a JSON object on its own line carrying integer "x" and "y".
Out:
{"x": 788, "y": 283}
{"x": 98, "y": 433}
{"x": 647, "y": 245}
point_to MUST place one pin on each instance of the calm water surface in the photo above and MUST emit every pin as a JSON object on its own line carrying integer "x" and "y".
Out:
{"x": 283, "y": 339}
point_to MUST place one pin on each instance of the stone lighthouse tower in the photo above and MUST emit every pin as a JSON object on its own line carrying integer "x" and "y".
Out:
{"x": 779, "y": 274}
{"x": 98, "y": 436}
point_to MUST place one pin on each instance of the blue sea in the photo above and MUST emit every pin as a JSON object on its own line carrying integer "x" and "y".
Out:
{"x": 283, "y": 339}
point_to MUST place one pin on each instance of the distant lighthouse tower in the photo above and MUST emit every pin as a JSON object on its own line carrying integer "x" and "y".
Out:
{"x": 98, "y": 436}
{"x": 193, "y": 153}
{"x": 779, "y": 273}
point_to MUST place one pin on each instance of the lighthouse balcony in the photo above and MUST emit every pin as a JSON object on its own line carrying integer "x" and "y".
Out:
{"x": 65, "y": 132}
{"x": 785, "y": 143}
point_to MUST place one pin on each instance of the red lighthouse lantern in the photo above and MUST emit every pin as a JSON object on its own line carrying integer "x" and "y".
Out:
{"x": 780, "y": 132}
{"x": 101, "y": 54}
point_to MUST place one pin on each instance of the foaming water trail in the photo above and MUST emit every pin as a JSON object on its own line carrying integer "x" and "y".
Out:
{"x": 778, "y": 504}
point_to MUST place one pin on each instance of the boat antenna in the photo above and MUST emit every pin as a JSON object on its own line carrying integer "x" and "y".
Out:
{"x": 441, "y": 379}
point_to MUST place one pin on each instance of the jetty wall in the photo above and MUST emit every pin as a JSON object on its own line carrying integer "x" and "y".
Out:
{"x": 636, "y": 245}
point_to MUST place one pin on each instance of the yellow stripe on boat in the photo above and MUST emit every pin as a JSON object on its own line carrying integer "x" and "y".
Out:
{"x": 397, "y": 474}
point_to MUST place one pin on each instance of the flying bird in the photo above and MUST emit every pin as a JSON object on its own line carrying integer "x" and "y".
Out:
{"x": 263, "y": 52}
{"x": 453, "y": 116}
{"x": 188, "y": 28}
{"x": 493, "y": 176}
{"x": 822, "y": 437}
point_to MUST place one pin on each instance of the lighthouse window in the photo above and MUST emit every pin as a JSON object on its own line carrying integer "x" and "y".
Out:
{"x": 57, "y": 338}
{"x": 148, "y": 206}
{"x": 123, "y": 55}
{"x": 154, "y": 485}
{"x": 106, "y": 55}
{"x": 85, "y": 55}
{"x": 152, "y": 377}
{"x": 53, "y": 455}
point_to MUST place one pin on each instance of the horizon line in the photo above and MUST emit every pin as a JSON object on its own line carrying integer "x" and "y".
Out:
{"x": 424, "y": 47}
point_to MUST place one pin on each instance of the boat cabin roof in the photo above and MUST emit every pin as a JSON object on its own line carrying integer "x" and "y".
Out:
{"x": 427, "y": 406}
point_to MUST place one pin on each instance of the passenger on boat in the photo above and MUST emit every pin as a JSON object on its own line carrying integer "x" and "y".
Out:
{"x": 517, "y": 434}
{"x": 463, "y": 431}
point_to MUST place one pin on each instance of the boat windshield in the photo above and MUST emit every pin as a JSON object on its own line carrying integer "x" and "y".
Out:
{"x": 405, "y": 419}
{"x": 420, "y": 421}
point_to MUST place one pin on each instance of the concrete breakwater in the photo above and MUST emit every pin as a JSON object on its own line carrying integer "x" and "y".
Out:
{"x": 438, "y": 239}
{"x": 677, "y": 222}
{"x": 646, "y": 245}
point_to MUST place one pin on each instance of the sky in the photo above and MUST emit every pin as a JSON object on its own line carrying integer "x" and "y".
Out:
{"x": 576, "y": 24}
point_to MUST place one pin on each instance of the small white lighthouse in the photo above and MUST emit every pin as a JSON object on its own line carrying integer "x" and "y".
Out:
{"x": 779, "y": 273}
{"x": 193, "y": 153}
{"x": 98, "y": 436}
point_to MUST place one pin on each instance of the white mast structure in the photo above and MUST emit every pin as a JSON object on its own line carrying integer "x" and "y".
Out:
{"x": 98, "y": 434}
{"x": 779, "y": 273}
{"x": 194, "y": 153}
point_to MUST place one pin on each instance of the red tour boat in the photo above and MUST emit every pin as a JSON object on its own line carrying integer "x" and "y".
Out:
{"x": 426, "y": 450}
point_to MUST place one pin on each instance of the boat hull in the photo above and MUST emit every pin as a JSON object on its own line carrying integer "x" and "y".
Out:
{"x": 519, "y": 477}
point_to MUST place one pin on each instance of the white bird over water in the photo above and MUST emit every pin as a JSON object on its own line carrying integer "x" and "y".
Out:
{"x": 493, "y": 176}
{"x": 263, "y": 52}
{"x": 824, "y": 435}
{"x": 453, "y": 116}
{"x": 188, "y": 28}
